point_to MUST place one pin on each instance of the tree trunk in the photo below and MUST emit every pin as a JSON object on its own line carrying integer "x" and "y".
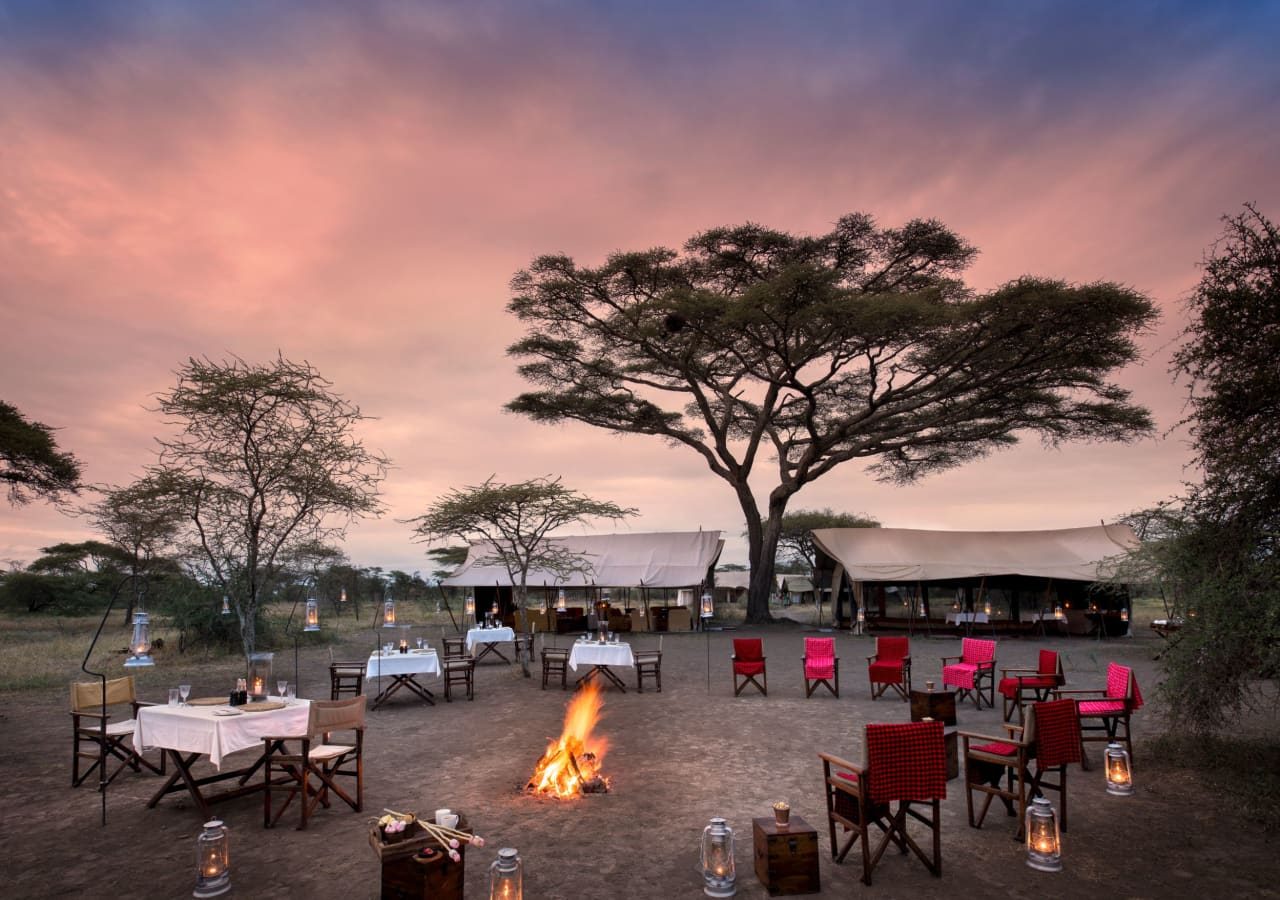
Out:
{"x": 521, "y": 598}
{"x": 762, "y": 543}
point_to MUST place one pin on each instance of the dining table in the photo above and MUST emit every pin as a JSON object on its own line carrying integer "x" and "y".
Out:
{"x": 602, "y": 657}
{"x": 487, "y": 639}
{"x": 209, "y": 728}
{"x": 401, "y": 669}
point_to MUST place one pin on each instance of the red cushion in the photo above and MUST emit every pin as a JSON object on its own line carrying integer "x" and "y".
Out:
{"x": 747, "y": 668}
{"x": 997, "y": 748}
{"x": 891, "y": 648}
{"x": 1101, "y": 707}
{"x": 748, "y": 648}
{"x": 1057, "y": 733}
{"x": 848, "y": 776}
{"x": 906, "y": 761}
{"x": 885, "y": 672}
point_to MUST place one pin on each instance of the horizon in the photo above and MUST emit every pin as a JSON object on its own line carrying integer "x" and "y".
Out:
{"x": 356, "y": 186}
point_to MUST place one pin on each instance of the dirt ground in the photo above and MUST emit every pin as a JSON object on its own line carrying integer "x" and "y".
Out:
{"x": 675, "y": 759}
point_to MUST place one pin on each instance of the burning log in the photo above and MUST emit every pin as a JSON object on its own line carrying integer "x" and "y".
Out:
{"x": 569, "y": 768}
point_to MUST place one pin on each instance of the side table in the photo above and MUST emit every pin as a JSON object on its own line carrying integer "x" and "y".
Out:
{"x": 940, "y": 706}
{"x": 786, "y": 856}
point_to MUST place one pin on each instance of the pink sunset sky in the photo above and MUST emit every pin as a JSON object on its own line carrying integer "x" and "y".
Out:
{"x": 355, "y": 184}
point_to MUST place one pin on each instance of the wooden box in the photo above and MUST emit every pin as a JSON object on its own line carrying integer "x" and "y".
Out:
{"x": 406, "y": 876}
{"x": 939, "y": 705}
{"x": 786, "y": 856}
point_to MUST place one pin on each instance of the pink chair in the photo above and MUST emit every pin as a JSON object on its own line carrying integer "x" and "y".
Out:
{"x": 748, "y": 662}
{"x": 821, "y": 666}
{"x": 1037, "y": 683}
{"x": 1120, "y": 699}
{"x": 890, "y": 667}
{"x": 974, "y": 671}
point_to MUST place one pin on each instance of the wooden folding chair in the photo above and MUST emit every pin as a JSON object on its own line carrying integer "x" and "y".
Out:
{"x": 973, "y": 671}
{"x": 890, "y": 667}
{"x": 103, "y": 737}
{"x": 649, "y": 663}
{"x": 1030, "y": 684}
{"x": 315, "y": 757}
{"x": 748, "y": 662}
{"x": 821, "y": 666}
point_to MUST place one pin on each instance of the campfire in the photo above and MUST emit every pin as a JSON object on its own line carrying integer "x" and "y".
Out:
{"x": 571, "y": 765}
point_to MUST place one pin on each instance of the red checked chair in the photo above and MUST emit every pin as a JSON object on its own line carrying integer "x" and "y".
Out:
{"x": 748, "y": 662}
{"x": 1101, "y": 719}
{"x": 103, "y": 736}
{"x": 974, "y": 671}
{"x": 316, "y": 758}
{"x": 821, "y": 666}
{"x": 890, "y": 667}
{"x": 906, "y": 765}
{"x": 1050, "y": 735}
{"x": 1036, "y": 684}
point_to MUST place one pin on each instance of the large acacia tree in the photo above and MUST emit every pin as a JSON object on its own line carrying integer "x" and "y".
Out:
{"x": 755, "y": 347}
{"x": 266, "y": 459}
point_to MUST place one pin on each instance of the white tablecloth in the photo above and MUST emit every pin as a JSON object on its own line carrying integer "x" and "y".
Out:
{"x": 488, "y": 636}
{"x": 968, "y": 618}
{"x": 195, "y": 729}
{"x": 415, "y": 662}
{"x": 593, "y": 653}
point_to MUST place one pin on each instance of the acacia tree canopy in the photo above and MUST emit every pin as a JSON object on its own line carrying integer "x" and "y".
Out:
{"x": 515, "y": 520}
{"x": 30, "y": 462}
{"x": 143, "y": 522}
{"x": 266, "y": 458}
{"x": 809, "y": 352}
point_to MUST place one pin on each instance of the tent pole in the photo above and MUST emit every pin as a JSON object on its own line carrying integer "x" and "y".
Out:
{"x": 447, "y": 607}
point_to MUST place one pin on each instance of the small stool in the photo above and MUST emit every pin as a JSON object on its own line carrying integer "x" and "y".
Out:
{"x": 555, "y": 662}
{"x": 345, "y": 678}
{"x": 459, "y": 670}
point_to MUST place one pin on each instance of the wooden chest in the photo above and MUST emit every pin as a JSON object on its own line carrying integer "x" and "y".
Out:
{"x": 406, "y": 876}
{"x": 786, "y": 856}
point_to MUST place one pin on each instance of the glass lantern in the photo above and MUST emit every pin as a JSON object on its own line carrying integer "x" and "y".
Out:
{"x": 213, "y": 861}
{"x": 313, "y": 616}
{"x": 562, "y": 604}
{"x": 389, "y": 613}
{"x": 506, "y": 876}
{"x": 469, "y": 607}
{"x": 1044, "y": 842}
{"x": 986, "y": 607}
{"x": 1059, "y": 613}
{"x": 708, "y": 605}
{"x": 260, "y": 674}
{"x": 717, "y": 859}
{"x": 342, "y": 598}
{"x": 140, "y": 642}
{"x": 1124, "y": 616}
{"x": 226, "y": 605}
{"x": 1119, "y": 772}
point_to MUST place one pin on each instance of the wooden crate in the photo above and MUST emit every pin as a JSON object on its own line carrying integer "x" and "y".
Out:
{"x": 407, "y": 877}
{"x": 786, "y": 857}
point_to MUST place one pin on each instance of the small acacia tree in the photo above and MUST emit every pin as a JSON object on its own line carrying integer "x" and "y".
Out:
{"x": 795, "y": 541}
{"x": 514, "y": 522}
{"x": 860, "y": 344}
{"x": 144, "y": 523}
{"x": 31, "y": 463}
{"x": 1221, "y": 551}
{"x": 266, "y": 459}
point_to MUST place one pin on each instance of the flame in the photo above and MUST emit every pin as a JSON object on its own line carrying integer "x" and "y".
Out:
{"x": 573, "y": 760}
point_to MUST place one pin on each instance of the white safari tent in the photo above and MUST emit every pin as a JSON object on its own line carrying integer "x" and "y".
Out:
{"x": 1019, "y": 574}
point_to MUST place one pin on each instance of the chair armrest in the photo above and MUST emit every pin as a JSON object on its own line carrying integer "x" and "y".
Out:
{"x": 872, "y": 658}
{"x": 945, "y": 658}
{"x": 975, "y": 735}
{"x": 1004, "y": 671}
{"x": 91, "y": 715}
{"x": 1058, "y": 692}
{"x": 1011, "y": 728}
{"x": 841, "y": 763}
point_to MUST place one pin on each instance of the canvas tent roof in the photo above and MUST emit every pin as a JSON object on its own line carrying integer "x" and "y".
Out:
{"x": 670, "y": 559}
{"x": 795, "y": 584}
{"x": 906, "y": 554}
{"x": 735, "y": 580}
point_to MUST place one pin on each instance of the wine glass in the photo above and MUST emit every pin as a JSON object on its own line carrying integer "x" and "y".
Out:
{"x": 281, "y": 686}
{"x": 184, "y": 691}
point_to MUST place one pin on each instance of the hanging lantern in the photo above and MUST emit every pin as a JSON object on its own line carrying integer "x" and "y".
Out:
{"x": 342, "y": 598}
{"x": 469, "y": 607}
{"x": 213, "y": 861}
{"x": 389, "y": 613}
{"x": 313, "y": 616}
{"x": 140, "y": 643}
{"x": 708, "y": 605}
{"x": 562, "y": 605}
{"x": 1059, "y": 613}
{"x": 1044, "y": 843}
{"x": 1119, "y": 772}
{"x": 862, "y": 618}
{"x": 493, "y": 610}
{"x": 506, "y": 876}
{"x": 1124, "y": 615}
{"x": 259, "y": 674}
{"x": 986, "y": 607}
{"x": 226, "y": 605}
{"x": 717, "y": 859}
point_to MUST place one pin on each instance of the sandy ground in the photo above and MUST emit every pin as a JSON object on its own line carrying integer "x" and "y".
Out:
{"x": 676, "y": 758}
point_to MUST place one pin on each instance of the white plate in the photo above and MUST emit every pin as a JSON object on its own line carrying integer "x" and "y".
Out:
{"x": 227, "y": 712}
